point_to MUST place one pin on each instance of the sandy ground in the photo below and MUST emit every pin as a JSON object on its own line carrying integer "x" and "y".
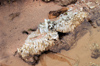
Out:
{"x": 31, "y": 14}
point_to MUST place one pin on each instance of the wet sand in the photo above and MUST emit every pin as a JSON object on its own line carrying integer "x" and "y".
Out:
{"x": 31, "y": 14}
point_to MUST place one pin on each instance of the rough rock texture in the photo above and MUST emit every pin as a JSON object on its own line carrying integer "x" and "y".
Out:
{"x": 37, "y": 43}
{"x": 68, "y": 39}
{"x": 68, "y": 28}
{"x": 67, "y": 23}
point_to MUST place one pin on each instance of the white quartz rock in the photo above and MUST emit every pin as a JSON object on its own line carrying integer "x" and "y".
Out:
{"x": 37, "y": 43}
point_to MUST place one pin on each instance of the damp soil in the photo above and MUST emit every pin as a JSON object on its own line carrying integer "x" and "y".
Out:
{"x": 77, "y": 43}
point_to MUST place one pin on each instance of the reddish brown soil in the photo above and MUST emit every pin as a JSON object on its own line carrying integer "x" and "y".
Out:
{"x": 31, "y": 14}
